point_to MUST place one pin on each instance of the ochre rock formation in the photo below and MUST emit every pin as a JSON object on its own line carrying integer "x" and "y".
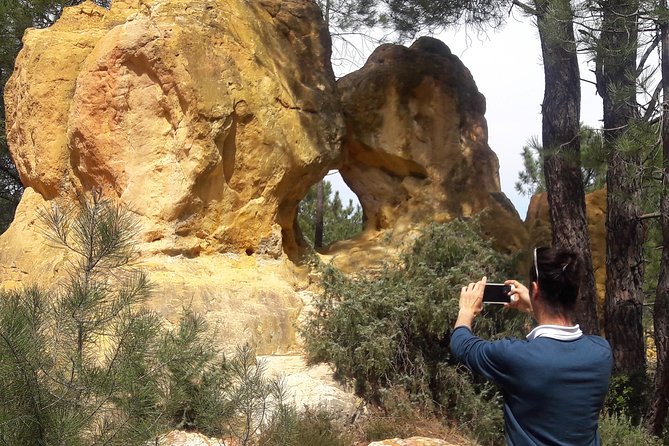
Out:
{"x": 416, "y": 148}
{"x": 211, "y": 119}
{"x": 182, "y": 438}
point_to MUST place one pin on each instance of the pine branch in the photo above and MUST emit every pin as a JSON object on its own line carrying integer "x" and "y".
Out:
{"x": 526, "y": 8}
{"x": 32, "y": 384}
{"x": 652, "y": 104}
{"x": 646, "y": 54}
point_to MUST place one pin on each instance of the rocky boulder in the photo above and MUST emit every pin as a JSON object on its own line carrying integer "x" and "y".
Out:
{"x": 181, "y": 438}
{"x": 416, "y": 148}
{"x": 211, "y": 119}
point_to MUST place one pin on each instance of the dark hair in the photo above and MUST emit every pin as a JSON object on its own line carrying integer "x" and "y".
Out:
{"x": 559, "y": 278}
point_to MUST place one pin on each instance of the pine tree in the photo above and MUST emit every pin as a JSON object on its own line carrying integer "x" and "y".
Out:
{"x": 339, "y": 222}
{"x": 74, "y": 363}
{"x": 86, "y": 363}
{"x": 593, "y": 164}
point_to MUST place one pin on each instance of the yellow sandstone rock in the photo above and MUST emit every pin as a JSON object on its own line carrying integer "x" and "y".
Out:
{"x": 211, "y": 119}
{"x": 416, "y": 151}
{"x": 181, "y": 438}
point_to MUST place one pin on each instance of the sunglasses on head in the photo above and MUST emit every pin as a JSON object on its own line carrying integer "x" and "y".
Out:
{"x": 536, "y": 265}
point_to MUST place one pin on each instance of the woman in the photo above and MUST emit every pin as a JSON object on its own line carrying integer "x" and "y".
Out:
{"x": 553, "y": 383}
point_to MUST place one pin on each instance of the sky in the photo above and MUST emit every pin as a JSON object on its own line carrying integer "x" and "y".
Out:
{"x": 506, "y": 66}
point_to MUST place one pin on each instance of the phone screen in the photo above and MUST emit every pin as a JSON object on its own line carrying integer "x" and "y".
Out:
{"x": 496, "y": 293}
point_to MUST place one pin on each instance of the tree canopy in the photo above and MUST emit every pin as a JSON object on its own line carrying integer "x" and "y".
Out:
{"x": 593, "y": 164}
{"x": 409, "y": 17}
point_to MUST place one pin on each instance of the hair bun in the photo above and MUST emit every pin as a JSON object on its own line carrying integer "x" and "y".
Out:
{"x": 571, "y": 264}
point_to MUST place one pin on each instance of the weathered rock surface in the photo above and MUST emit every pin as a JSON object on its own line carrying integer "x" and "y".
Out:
{"x": 252, "y": 299}
{"x": 312, "y": 386}
{"x": 416, "y": 149}
{"x": 210, "y": 118}
{"x": 181, "y": 438}
{"x": 417, "y": 136}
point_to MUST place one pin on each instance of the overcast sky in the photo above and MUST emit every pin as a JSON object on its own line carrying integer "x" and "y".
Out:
{"x": 506, "y": 65}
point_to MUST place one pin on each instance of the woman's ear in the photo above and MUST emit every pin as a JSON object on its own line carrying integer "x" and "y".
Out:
{"x": 534, "y": 290}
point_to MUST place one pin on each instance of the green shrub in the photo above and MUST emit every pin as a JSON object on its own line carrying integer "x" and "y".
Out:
{"x": 397, "y": 417}
{"x": 474, "y": 405}
{"x": 251, "y": 398}
{"x": 393, "y": 328}
{"x": 193, "y": 375}
{"x": 289, "y": 427}
{"x": 618, "y": 430}
{"x": 627, "y": 396}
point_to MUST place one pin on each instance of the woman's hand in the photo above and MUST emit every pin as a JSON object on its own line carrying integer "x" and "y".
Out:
{"x": 471, "y": 303}
{"x": 520, "y": 297}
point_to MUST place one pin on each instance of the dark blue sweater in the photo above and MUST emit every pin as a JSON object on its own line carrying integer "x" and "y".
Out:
{"x": 553, "y": 390}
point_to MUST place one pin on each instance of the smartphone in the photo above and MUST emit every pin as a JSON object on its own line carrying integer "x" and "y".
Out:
{"x": 496, "y": 293}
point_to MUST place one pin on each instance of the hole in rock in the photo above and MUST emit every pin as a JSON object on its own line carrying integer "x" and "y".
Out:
{"x": 342, "y": 213}
{"x": 249, "y": 251}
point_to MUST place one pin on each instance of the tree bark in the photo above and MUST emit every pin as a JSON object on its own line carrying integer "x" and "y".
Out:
{"x": 659, "y": 404}
{"x": 562, "y": 147}
{"x": 318, "y": 223}
{"x": 616, "y": 84}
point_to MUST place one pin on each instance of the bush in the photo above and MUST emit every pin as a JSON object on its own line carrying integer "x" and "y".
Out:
{"x": 396, "y": 417}
{"x": 192, "y": 376}
{"x": 618, "y": 430}
{"x": 289, "y": 427}
{"x": 392, "y": 329}
{"x": 627, "y": 396}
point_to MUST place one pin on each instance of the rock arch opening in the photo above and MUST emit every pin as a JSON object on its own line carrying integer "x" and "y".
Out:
{"x": 342, "y": 214}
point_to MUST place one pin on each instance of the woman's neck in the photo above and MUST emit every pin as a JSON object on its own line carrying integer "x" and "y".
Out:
{"x": 545, "y": 318}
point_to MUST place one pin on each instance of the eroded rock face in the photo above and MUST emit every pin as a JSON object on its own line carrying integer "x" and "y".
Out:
{"x": 417, "y": 142}
{"x": 210, "y": 118}
{"x": 416, "y": 149}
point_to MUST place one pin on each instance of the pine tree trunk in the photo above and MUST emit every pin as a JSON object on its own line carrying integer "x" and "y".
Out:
{"x": 562, "y": 148}
{"x": 659, "y": 404}
{"x": 616, "y": 84}
{"x": 318, "y": 224}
